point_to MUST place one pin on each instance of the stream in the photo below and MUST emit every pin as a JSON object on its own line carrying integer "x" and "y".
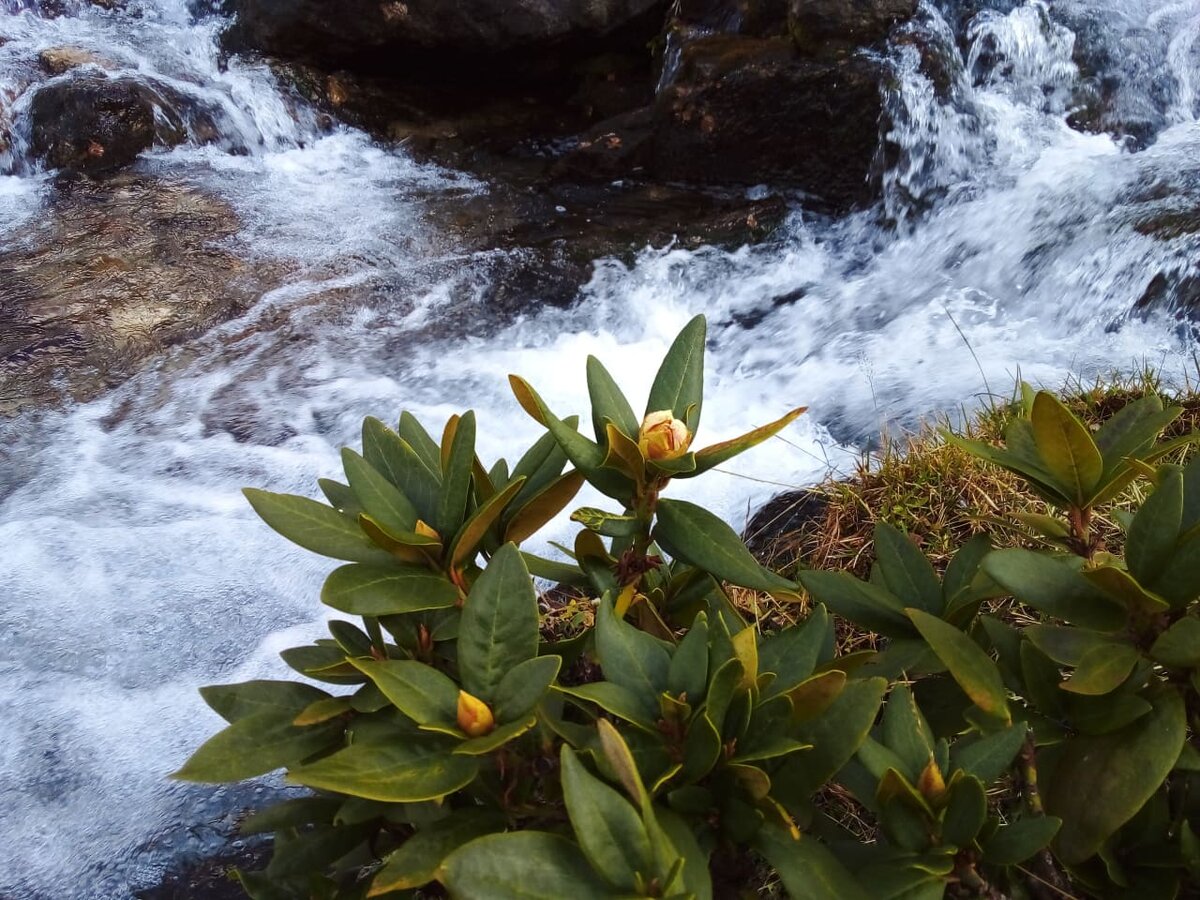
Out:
{"x": 1014, "y": 245}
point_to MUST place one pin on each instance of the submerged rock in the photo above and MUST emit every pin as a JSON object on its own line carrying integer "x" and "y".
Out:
{"x": 90, "y": 123}
{"x": 114, "y": 272}
{"x": 57, "y": 60}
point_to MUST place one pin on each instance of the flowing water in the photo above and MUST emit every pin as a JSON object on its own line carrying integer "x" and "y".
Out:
{"x": 133, "y": 570}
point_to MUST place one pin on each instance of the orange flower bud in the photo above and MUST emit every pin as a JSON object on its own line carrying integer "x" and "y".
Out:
{"x": 663, "y": 436}
{"x": 931, "y": 784}
{"x": 474, "y": 717}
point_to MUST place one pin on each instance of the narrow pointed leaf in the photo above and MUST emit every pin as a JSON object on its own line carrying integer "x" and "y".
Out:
{"x": 973, "y": 669}
{"x": 473, "y": 533}
{"x": 418, "y": 859}
{"x": 257, "y": 744}
{"x": 609, "y": 829}
{"x": 524, "y": 865}
{"x": 906, "y": 572}
{"x": 718, "y": 454}
{"x": 315, "y": 526}
{"x": 1101, "y": 782}
{"x": 542, "y": 508}
{"x": 1066, "y": 447}
{"x": 456, "y": 476}
{"x": 236, "y": 701}
{"x": 608, "y": 403}
{"x": 864, "y": 604}
{"x": 524, "y": 686}
{"x": 395, "y": 771}
{"x": 679, "y": 384}
{"x": 368, "y": 590}
{"x": 391, "y": 455}
{"x": 1054, "y": 587}
{"x": 499, "y": 627}
{"x": 419, "y": 691}
{"x": 806, "y": 867}
{"x": 699, "y": 538}
{"x": 1155, "y": 528}
{"x": 628, "y": 656}
{"x": 377, "y": 496}
{"x": 1102, "y": 670}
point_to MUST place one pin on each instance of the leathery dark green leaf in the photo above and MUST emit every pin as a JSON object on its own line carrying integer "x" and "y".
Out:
{"x": 499, "y": 626}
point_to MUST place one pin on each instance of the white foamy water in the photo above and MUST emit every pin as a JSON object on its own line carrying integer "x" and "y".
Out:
{"x": 135, "y": 571}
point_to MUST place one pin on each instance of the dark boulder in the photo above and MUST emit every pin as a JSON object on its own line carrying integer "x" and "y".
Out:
{"x": 393, "y": 35}
{"x": 747, "y": 111}
{"x": 90, "y": 123}
{"x": 858, "y": 22}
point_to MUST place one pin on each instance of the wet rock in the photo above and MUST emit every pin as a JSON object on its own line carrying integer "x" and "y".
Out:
{"x": 57, "y": 60}
{"x": 113, "y": 273}
{"x": 814, "y": 23}
{"x": 429, "y": 34}
{"x": 748, "y": 111}
{"x": 90, "y": 123}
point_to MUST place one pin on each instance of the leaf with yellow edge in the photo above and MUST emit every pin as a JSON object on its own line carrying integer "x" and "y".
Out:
{"x": 745, "y": 648}
{"x": 1066, "y": 448}
{"x": 623, "y": 454}
{"x": 531, "y": 517}
{"x": 475, "y": 529}
{"x": 971, "y": 667}
{"x": 716, "y": 454}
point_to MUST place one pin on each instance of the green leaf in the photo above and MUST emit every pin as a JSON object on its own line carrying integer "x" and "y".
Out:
{"x": 695, "y": 877}
{"x": 679, "y": 384}
{"x": 418, "y": 859}
{"x": 906, "y": 733}
{"x": 1179, "y": 580}
{"x": 1031, "y": 470}
{"x": 629, "y": 656}
{"x": 340, "y": 496}
{"x": 392, "y": 771}
{"x": 1133, "y": 429}
{"x": 606, "y": 523}
{"x": 323, "y": 663}
{"x": 392, "y": 456}
{"x": 322, "y": 711}
{"x": 1178, "y": 646}
{"x": 620, "y": 702}
{"x": 716, "y": 454}
{"x": 419, "y": 691}
{"x": 863, "y": 603}
{"x": 370, "y": 590}
{"x": 523, "y": 865}
{"x": 1066, "y": 447}
{"x": 694, "y": 535}
{"x": 907, "y": 574}
{"x": 792, "y": 654}
{"x": 585, "y": 455}
{"x": 456, "y": 475}
{"x": 989, "y": 757}
{"x": 291, "y": 814}
{"x": 687, "y": 675}
{"x": 608, "y": 403}
{"x": 1101, "y": 782}
{"x": 836, "y": 735}
{"x": 524, "y": 686}
{"x": 256, "y": 744}
{"x": 237, "y": 701}
{"x": 415, "y": 435}
{"x": 965, "y": 812}
{"x": 499, "y": 627}
{"x": 1012, "y": 844}
{"x": 494, "y": 740}
{"x": 1102, "y": 670}
{"x": 541, "y": 464}
{"x": 377, "y": 496}
{"x": 608, "y": 828}
{"x": 1054, "y": 587}
{"x": 806, "y": 867}
{"x": 1155, "y": 528}
{"x": 963, "y": 571}
{"x": 475, "y": 531}
{"x": 973, "y": 669}
{"x": 315, "y": 526}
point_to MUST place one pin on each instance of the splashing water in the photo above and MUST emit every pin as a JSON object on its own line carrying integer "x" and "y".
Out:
{"x": 135, "y": 570}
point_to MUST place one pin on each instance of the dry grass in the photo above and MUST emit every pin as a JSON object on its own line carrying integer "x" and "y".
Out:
{"x": 939, "y": 494}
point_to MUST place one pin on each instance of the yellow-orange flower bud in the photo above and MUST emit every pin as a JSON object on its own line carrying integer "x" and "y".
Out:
{"x": 474, "y": 717}
{"x": 663, "y": 436}
{"x": 931, "y": 784}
